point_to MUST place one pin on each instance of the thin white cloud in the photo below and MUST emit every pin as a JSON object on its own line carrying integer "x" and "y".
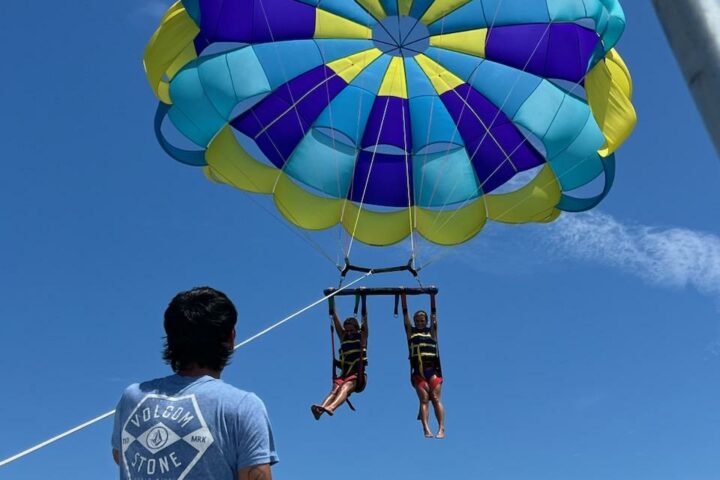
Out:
{"x": 668, "y": 257}
{"x": 675, "y": 257}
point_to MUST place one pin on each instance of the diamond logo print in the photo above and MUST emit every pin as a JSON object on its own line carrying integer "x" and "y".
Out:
{"x": 164, "y": 437}
{"x": 158, "y": 437}
{"x": 200, "y": 440}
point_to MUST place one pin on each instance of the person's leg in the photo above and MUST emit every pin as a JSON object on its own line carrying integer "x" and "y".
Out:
{"x": 436, "y": 399}
{"x": 423, "y": 393}
{"x": 331, "y": 396}
{"x": 342, "y": 394}
{"x": 318, "y": 410}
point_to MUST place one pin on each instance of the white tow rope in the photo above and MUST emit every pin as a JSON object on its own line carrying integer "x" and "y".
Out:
{"x": 239, "y": 345}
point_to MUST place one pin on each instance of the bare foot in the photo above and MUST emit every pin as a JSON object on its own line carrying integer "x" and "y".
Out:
{"x": 441, "y": 433}
{"x": 317, "y": 411}
{"x": 428, "y": 433}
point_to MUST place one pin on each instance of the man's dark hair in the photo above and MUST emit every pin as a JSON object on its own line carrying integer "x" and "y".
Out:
{"x": 198, "y": 325}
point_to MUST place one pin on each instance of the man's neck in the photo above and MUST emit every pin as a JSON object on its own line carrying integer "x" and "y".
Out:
{"x": 195, "y": 371}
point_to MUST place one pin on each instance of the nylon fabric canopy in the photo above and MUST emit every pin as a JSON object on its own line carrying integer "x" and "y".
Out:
{"x": 394, "y": 116}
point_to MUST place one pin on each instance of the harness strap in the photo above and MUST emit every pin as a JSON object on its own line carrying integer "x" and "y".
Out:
{"x": 433, "y": 312}
{"x": 357, "y": 303}
{"x": 419, "y": 356}
{"x": 360, "y": 382}
{"x": 332, "y": 351}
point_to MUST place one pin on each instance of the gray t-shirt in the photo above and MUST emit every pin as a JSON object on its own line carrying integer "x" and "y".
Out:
{"x": 190, "y": 428}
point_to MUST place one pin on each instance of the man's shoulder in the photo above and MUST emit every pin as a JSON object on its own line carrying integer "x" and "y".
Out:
{"x": 149, "y": 385}
{"x": 132, "y": 390}
{"x": 231, "y": 393}
{"x": 141, "y": 389}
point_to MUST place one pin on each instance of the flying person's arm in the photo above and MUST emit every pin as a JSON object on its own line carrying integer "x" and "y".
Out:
{"x": 433, "y": 317}
{"x": 406, "y": 315}
{"x": 336, "y": 320}
{"x": 364, "y": 328}
{"x": 256, "y": 472}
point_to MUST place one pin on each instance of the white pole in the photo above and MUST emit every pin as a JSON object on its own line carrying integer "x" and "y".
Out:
{"x": 693, "y": 28}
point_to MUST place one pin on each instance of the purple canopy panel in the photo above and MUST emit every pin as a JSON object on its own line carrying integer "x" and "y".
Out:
{"x": 387, "y": 180}
{"x": 500, "y": 156}
{"x": 388, "y": 124}
{"x": 254, "y": 21}
{"x": 280, "y": 121}
{"x": 561, "y": 50}
{"x": 497, "y": 149}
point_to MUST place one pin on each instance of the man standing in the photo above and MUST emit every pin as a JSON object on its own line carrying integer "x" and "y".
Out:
{"x": 192, "y": 425}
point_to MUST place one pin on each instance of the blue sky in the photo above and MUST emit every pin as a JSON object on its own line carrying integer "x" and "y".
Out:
{"x": 587, "y": 349}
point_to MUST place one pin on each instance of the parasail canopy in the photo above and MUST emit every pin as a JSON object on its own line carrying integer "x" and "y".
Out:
{"x": 397, "y": 116}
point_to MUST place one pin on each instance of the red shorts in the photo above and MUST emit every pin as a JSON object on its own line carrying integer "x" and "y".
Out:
{"x": 341, "y": 380}
{"x": 421, "y": 382}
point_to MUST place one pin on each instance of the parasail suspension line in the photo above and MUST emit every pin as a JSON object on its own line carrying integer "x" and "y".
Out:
{"x": 367, "y": 180}
{"x": 299, "y": 233}
{"x": 410, "y": 203}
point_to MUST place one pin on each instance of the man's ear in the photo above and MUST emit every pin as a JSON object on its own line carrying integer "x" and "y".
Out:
{"x": 232, "y": 338}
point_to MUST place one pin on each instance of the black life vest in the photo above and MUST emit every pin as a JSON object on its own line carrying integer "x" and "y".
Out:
{"x": 350, "y": 352}
{"x": 423, "y": 349}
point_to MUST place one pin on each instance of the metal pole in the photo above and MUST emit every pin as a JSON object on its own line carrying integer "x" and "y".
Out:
{"x": 693, "y": 29}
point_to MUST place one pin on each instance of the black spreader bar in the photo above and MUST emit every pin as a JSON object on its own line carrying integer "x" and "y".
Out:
{"x": 380, "y": 291}
{"x": 349, "y": 267}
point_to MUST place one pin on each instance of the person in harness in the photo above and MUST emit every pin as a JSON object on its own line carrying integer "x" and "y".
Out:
{"x": 426, "y": 372}
{"x": 351, "y": 362}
